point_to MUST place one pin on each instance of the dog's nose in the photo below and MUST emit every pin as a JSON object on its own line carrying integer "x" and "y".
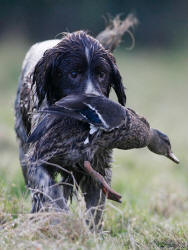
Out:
{"x": 91, "y": 89}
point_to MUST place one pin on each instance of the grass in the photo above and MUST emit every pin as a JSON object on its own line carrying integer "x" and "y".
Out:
{"x": 153, "y": 214}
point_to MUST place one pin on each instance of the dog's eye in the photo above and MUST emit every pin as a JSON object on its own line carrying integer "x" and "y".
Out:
{"x": 101, "y": 75}
{"x": 74, "y": 74}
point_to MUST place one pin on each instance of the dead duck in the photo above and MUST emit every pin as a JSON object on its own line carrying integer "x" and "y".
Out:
{"x": 107, "y": 125}
{"x": 100, "y": 113}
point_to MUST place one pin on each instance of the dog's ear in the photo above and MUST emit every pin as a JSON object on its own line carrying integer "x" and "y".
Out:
{"x": 117, "y": 83}
{"x": 43, "y": 75}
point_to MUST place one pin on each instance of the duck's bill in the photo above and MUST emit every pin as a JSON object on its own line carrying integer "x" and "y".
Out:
{"x": 172, "y": 157}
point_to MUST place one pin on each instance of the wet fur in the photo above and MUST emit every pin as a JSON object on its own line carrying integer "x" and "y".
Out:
{"x": 50, "y": 74}
{"x": 41, "y": 85}
{"x": 44, "y": 80}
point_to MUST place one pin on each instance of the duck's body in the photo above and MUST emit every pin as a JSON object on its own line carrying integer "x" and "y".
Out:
{"x": 80, "y": 126}
{"x": 68, "y": 139}
{"x": 64, "y": 142}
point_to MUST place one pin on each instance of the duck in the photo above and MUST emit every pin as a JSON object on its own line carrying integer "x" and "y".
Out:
{"x": 100, "y": 113}
{"x": 106, "y": 120}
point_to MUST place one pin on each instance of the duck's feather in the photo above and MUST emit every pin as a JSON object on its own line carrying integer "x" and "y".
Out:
{"x": 96, "y": 110}
{"x": 39, "y": 131}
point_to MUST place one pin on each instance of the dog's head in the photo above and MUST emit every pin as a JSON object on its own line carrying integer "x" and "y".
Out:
{"x": 78, "y": 64}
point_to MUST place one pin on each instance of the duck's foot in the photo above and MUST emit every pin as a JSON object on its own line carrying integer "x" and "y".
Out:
{"x": 108, "y": 191}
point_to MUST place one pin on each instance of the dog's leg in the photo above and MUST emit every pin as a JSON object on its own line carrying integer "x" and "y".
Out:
{"x": 95, "y": 204}
{"x": 45, "y": 192}
{"x": 95, "y": 200}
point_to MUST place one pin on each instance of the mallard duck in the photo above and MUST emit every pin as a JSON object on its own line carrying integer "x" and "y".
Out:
{"x": 105, "y": 124}
{"x": 100, "y": 113}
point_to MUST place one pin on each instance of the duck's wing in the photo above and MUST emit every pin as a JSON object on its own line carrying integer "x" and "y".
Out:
{"x": 72, "y": 102}
{"x": 96, "y": 110}
{"x": 111, "y": 114}
{"x": 41, "y": 129}
{"x": 74, "y": 106}
{"x": 84, "y": 113}
{"x": 61, "y": 111}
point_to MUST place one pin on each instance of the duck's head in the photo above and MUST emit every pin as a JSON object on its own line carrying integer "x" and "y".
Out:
{"x": 160, "y": 144}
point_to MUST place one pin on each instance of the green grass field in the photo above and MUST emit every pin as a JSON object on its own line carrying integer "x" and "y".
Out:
{"x": 154, "y": 212}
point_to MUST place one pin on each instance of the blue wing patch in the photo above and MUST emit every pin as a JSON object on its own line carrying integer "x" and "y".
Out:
{"x": 91, "y": 115}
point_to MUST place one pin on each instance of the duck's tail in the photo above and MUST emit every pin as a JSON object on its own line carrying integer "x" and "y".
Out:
{"x": 112, "y": 35}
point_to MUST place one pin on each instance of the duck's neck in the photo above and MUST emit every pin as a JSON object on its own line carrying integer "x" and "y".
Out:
{"x": 155, "y": 142}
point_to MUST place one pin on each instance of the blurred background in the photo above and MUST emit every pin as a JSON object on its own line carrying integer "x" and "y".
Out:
{"x": 155, "y": 74}
{"x": 162, "y": 23}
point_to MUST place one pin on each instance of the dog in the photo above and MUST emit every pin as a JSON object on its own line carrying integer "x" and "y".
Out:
{"x": 76, "y": 64}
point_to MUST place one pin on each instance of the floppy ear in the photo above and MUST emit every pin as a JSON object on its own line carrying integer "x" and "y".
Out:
{"x": 117, "y": 82}
{"x": 117, "y": 85}
{"x": 43, "y": 74}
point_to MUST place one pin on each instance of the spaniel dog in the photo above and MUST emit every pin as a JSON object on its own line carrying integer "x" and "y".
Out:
{"x": 77, "y": 64}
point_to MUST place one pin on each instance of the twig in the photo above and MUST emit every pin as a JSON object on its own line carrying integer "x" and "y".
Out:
{"x": 112, "y": 35}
